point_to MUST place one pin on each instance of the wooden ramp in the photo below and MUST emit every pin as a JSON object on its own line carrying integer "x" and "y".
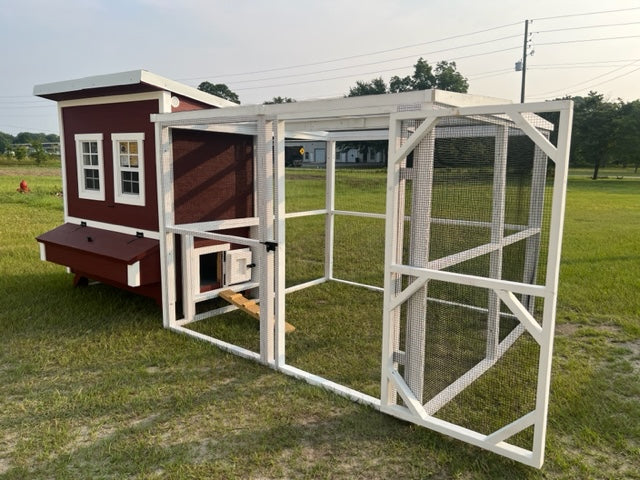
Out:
{"x": 248, "y": 306}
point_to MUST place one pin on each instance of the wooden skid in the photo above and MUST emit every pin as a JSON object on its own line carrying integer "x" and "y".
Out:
{"x": 248, "y": 306}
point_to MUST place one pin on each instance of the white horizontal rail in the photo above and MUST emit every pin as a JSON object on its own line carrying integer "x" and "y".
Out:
{"x": 228, "y": 347}
{"x": 250, "y": 242}
{"x": 205, "y": 315}
{"x": 359, "y": 214}
{"x": 350, "y": 393}
{"x": 302, "y": 286}
{"x": 471, "y": 280}
{"x": 203, "y": 296}
{"x": 356, "y": 284}
{"x": 219, "y": 224}
{"x": 306, "y": 213}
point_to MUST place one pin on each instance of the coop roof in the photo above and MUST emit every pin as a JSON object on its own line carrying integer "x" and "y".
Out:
{"x": 134, "y": 81}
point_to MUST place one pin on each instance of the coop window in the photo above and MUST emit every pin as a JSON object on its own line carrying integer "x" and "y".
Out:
{"x": 128, "y": 168}
{"x": 90, "y": 166}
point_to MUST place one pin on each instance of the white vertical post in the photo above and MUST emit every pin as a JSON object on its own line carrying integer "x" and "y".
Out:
{"x": 330, "y": 205}
{"x": 280, "y": 254}
{"x": 553, "y": 267}
{"x": 164, "y": 180}
{"x": 422, "y": 189}
{"x": 536, "y": 209}
{"x": 497, "y": 233}
{"x": 188, "y": 282}
{"x": 264, "y": 157}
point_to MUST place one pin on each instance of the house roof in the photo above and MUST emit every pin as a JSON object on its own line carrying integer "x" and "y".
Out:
{"x": 129, "y": 82}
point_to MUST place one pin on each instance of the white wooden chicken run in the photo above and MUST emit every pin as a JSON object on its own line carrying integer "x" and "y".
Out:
{"x": 493, "y": 266}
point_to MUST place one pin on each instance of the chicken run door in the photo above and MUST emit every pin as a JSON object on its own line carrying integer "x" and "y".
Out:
{"x": 475, "y": 204}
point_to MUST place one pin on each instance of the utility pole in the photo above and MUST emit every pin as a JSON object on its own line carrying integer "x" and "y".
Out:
{"x": 524, "y": 59}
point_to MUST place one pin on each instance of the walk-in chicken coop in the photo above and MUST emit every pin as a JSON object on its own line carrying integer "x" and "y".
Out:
{"x": 468, "y": 231}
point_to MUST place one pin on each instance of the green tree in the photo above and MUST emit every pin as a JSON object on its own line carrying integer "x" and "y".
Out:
{"x": 445, "y": 77}
{"x": 593, "y": 130}
{"x": 21, "y": 153}
{"x": 278, "y": 99}
{"x": 448, "y": 78}
{"x": 5, "y": 142}
{"x": 39, "y": 155}
{"x": 374, "y": 87}
{"x": 626, "y": 147}
{"x": 219, "y": 90}
{"x": 423, "y": 77}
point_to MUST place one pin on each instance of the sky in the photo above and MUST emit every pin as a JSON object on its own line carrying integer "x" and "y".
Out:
{"x": 307, "y": 49}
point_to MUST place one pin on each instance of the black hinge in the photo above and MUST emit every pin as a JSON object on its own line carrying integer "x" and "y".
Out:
{"x": 271, "y": 246}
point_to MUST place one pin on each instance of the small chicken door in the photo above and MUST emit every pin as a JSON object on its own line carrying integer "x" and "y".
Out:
{"x": 237, "y": 266}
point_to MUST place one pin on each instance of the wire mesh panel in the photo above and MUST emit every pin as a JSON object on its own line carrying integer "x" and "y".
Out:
{"x": 474, "y": 225}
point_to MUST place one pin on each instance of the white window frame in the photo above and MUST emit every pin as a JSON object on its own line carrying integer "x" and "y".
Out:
{"x": 84, "y": 192}
{"x": 119, "y": 196}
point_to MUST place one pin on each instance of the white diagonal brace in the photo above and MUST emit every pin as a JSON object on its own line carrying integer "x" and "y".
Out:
{"x": 513, "y": 428}
{"x": 413, "y": 141}
{"x": 403, "y": 296}
{"x": 519, "y": 310}
{"x": 407, "y": 395}
{"x": 534, "y": 134}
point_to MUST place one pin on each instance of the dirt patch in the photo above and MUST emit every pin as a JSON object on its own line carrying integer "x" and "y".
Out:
{"x": 30, "y": 171}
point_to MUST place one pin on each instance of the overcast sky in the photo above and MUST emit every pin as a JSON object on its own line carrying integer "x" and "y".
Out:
{"x": 313, "y": 49}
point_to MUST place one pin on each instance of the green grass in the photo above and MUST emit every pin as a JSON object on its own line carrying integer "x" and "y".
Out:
{"x": 91, "y": 386}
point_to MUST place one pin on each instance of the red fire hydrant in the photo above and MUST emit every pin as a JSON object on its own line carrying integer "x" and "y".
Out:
{"x": 24, "y": 188}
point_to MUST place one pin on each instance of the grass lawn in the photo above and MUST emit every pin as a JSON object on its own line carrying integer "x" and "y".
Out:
{"x": 91, "y": 386}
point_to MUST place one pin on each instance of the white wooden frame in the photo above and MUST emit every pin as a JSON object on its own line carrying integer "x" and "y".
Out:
{"x": 270, "y": 124}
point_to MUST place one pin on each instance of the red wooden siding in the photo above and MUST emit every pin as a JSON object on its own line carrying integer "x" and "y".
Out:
{"x": 187, "y": 104}
{"x": 107, "y": 119}
{"x": 213, "y": 176}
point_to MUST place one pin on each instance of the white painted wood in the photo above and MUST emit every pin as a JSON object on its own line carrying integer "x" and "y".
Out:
{"x": 219, "y": 224}
{"x": 553, "y": 268}
{"x": 357, "y": 284}
{"x": 119, "y": 195}
{"x": 522, "y": 314}
{"x": 280, "y": 238}
{"x": 133, "y": 77}
{"x": 190, "y": 276}
{"x": 534, "y": 134}
{"x": 43, "y": 251}
{"x": 302, "y": 286}
{"x": 250, "y": 242}
{"x": 227, "y": 347}
{"x": 113, "y": 227}
{"x": 133, "y": 274}
{"x": 330, "y": 205}
{"x": 334, "y": 387}
{"x": 471, "y": 280}
{"x": 63, "y": 162}
{"x": 511, "y": 429}
{"x": 497, "y": 234}
{"x": 134, "y": 97}
{"x": 420, "y": 235}
{"x": 83, "y": 192}
{"x": 307, "y": 213}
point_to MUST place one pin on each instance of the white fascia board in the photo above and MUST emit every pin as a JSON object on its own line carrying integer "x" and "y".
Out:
{"x": 182, "y": 89}
{"x": 110, "y": 80}
{"x": 132, "y": 77}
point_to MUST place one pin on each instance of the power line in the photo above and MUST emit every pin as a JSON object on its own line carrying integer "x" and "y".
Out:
{"x": 378, "y": 62}
{"x": 589, "y": 81}
{"x": 602, "y": 25}
{"x": 588, "y": 40}
{"x": 586, "y": 14}
{"x": 376, "y": 72}
{"x": 351, "y": 57}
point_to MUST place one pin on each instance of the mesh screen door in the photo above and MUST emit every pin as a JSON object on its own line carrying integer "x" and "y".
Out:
{"x": 475, "y": 204}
